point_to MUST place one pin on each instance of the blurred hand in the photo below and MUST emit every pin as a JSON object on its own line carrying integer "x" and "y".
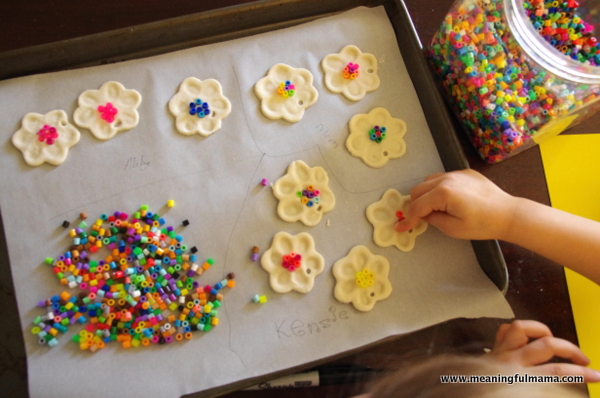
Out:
{"x": 531, "y": 344}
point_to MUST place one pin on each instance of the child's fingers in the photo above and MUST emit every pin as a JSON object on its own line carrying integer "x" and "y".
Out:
{"x": 567, "y": 369}
{"x": 420, "y": 208}
{"x": 501, "y": 333}
{"x": 433, "y": 176}
{"x": 544, "y": 349}
{"x": 519, "y": 333}
{"x": 427, "y": 185}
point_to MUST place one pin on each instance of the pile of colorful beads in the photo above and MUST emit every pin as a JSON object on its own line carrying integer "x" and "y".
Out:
{"x": 500, "y": 94}
{"x": 558, "y": 23}
{"x": 350, "y": 71}
{"x": 309, "y": 196}
{"x": 377, "y": 134}
{"x": 48, "y": 134}
{"x": 199, "y": 108}
{"x": 291, "y": 261}
{"x": 108, "y": 112}
{"x": 126, "y": 296}
{"x": 286, "y": 89}
{"x": 365, "y": 278}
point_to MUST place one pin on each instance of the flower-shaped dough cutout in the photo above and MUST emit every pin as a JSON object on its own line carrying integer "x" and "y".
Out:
{"x": 286, "y": 92}
{"x": 292, "y": 262}
{"x": 362, "y": 278}
{"x": 108, "y": 110}
{"x": 199, "y": 106}
{"x": 303, "y": 194}
{"x": 45, "y": 138}
{"x": 376, "y": 137}
{"x": 385, "y": 213}
{"x": 351, "y": 72}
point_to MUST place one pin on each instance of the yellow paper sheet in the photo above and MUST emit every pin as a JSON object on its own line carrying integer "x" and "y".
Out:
{"x": 572, "y": 168}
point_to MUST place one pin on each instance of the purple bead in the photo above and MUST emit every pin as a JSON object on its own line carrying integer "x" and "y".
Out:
{"x": 254, "y": 256}
{"x": 42, "y": 304}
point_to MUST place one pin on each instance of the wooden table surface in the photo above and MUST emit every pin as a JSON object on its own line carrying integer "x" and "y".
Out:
{"x": 537, "y": 288}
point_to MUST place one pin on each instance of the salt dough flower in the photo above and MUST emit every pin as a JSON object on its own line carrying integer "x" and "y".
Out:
{"x": 361, "y": 278}
{"x": 376, "y": 137}
{"x": 351, "y": 72}
{"x": 292, "y": 262}
{"x": 286, "y": 92}
{"x": 109, "y": 110}
{"x": 303, "y": 194}
{"x": 199, "y": 106}
{"x": 384, "y": 215}
{"x": 45, "y": 138}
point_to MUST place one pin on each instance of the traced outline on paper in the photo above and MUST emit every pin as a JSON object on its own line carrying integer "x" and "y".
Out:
{"x": 329, "y": 169}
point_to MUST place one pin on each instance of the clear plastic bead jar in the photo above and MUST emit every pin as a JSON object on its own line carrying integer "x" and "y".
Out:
{"x": 516, "y": 72}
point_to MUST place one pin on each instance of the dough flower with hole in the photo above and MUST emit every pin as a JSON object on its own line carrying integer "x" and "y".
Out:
{"x": 303, "y": 194}
{"x": 376, "y": 137}
{"x": 45, "y": 138}
{"x": 292, "y": 262}
{"x": 108, "y": 110}
{"x": 385, "y": 213}
{"x": 361, "y": 278}
{"x": 199, "y": 106}
{"x": 351, "y": 72}
{"x": 286, "y": 92}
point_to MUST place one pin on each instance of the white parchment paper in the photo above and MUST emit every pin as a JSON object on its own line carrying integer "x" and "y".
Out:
{"x": 215, "y": 184}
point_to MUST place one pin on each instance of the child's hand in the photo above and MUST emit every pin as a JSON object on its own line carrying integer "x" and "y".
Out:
{"x": 462, "y": 204}
{"x": 513, "y": 346}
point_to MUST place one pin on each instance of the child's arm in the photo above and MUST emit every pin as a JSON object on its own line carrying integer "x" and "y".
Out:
{"x": 464, "y": 204}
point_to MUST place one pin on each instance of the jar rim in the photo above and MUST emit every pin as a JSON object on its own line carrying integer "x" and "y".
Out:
{"x": 543, "y": 52}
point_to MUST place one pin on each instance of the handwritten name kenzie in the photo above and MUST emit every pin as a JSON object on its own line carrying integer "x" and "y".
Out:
{"x": 298, "y": 328}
